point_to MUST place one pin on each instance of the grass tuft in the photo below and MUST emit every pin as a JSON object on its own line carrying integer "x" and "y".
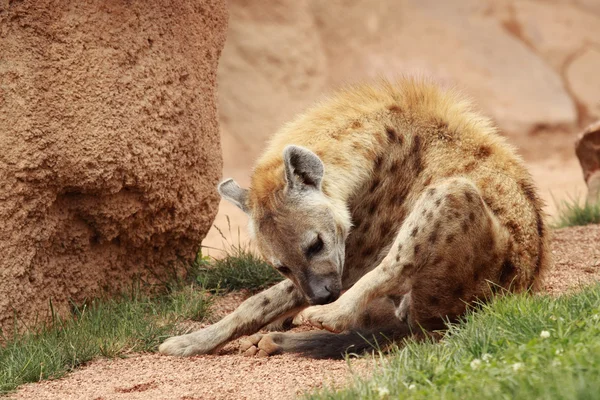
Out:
{"x": 240, "y": 269}
{"x": 572, "y": 213}
{"x": 517, "y": 347}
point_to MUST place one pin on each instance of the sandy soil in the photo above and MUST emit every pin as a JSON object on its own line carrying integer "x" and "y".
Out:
{"x": 230, "y": 376}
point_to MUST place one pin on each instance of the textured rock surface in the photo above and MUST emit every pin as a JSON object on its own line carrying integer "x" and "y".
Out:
{"x": 109, "y": 144}
{"x": 588, "y": 152}
{"x": 523, "y": 61}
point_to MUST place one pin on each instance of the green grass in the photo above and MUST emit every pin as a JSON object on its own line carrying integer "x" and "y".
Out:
{"x": 239, "y": 269}
{"x": 518, "y": 347}
{"x": 572, "y": 213}
{"x": 102, "y": 327}
{"x": 136, "y": 322}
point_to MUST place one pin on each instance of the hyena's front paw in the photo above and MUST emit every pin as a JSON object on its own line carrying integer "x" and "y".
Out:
{"x": 188, "y": 345}
{"x": 260, "y": 345}
{"x": 330, "y": 317}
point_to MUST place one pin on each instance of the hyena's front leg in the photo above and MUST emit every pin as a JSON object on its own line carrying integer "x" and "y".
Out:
{"x": 445, "y": 255}
{"x": 254, "y": 313}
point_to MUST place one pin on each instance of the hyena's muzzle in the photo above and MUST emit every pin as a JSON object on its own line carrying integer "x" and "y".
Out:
{"x": 322, "y": 288}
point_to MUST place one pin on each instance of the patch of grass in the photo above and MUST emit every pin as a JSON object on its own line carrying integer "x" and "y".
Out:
{"x": 239, "y": 269}
{"x": 102, "y": 327}
{"x": 517, "y": 347}
{"x": 572, "y": 213}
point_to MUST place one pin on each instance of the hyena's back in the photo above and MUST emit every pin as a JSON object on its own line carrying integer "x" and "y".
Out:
{"x": 385, "y": 143}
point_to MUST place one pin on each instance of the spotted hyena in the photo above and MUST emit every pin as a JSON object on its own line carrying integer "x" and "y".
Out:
{"x": 398, "y": 194}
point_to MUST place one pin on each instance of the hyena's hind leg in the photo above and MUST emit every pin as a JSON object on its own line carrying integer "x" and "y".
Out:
{"x": 445, "y": 255}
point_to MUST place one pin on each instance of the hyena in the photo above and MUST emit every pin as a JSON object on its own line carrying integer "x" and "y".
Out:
{"x": 397, "y": 195}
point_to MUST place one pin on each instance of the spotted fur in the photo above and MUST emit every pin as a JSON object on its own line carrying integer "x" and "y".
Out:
{"x": 416, "y": 199}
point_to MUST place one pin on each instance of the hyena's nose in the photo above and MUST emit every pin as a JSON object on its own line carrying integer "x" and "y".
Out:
{"x": 324, "y": 295}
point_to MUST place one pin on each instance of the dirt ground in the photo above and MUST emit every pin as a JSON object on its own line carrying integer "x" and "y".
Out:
{"x": 231, "y": 376}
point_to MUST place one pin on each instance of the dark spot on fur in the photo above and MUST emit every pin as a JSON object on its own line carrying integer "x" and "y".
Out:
{"x": 265, "y": 302}
{"x": 450, "y": 238}
{"x": 356, "y": 124}
{"x": 507, "y": 273}
{"x": 431, "y": 191}
{"x": 397, "y": 257}
{"x": 468, "y": 196}
{"x": 289, "y": 289}
{"x": 424, "y": 212}
{"x": 394, "y": 168}
{"x": 513, "y": 227}
{"x": 433, "y": 236}
{"x": 476, "y": 276}
{"x": 429, "y": 216}
{"x": 372, "y": 209}
{"x": 437, "y": 260}
{"x": 427, "y": 181}
{"x": 395, "y": 108}
{"x": 378, "y": 162}
{"x": 408, "y": 266}
{"x": 434, "y": 300}
{"x": 392, "y": 134}
{"x": 483, "y": 151}
{"x": 374, "y": 184}
{"x": 385, "y": 228}
{"x": 400, "y": 247}
{"x": 472, "y": 216}
{"x": 414, "y": 231}
{"x": 397, "y": 199}
{"x": 415, "y": 152}
{"x": 438, "y": 202}
{"x": 417, "y": 249}
{"x": 459, "y": 291}
{"x": 470, "y": 167}
{"x": 368, "y": 251}
{"x": 465, "y": 226}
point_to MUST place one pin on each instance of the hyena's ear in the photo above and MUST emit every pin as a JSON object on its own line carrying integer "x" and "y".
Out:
{"x": 230, "y": 190}
{"x": 303, "y": 168}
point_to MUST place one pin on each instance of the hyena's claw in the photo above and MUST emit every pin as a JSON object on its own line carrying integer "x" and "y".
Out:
{"x": 259, "y": 345}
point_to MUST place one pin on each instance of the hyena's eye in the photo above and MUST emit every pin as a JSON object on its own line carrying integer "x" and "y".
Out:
{"x": 282, "y": 269}
{"x": 315, "y": 248}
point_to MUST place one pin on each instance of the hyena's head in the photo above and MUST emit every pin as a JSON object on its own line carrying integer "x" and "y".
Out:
{"x": 300, "y": 231}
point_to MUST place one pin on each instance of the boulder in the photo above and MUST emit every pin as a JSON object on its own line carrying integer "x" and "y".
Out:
{"x": 587, "y": 148}
{"x": 110, "y": 145}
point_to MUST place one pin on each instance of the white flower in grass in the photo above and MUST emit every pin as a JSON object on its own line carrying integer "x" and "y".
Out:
{"x": 596, "y": 317}
{"x": 383, "y": 392}
{"x": 476, "y": 363}
{"x": 556, "y": 363}
{"x": 486, "y": 357}
{"x": 412, "y": 386}
{"x": 558, "y": 352}
{"x": 517, "y": 366}
{"x": 544, "y": 334}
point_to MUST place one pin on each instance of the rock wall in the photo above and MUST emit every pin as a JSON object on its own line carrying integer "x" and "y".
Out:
{"x": 109, "y": 141}
{"x": 530, "y": 64}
